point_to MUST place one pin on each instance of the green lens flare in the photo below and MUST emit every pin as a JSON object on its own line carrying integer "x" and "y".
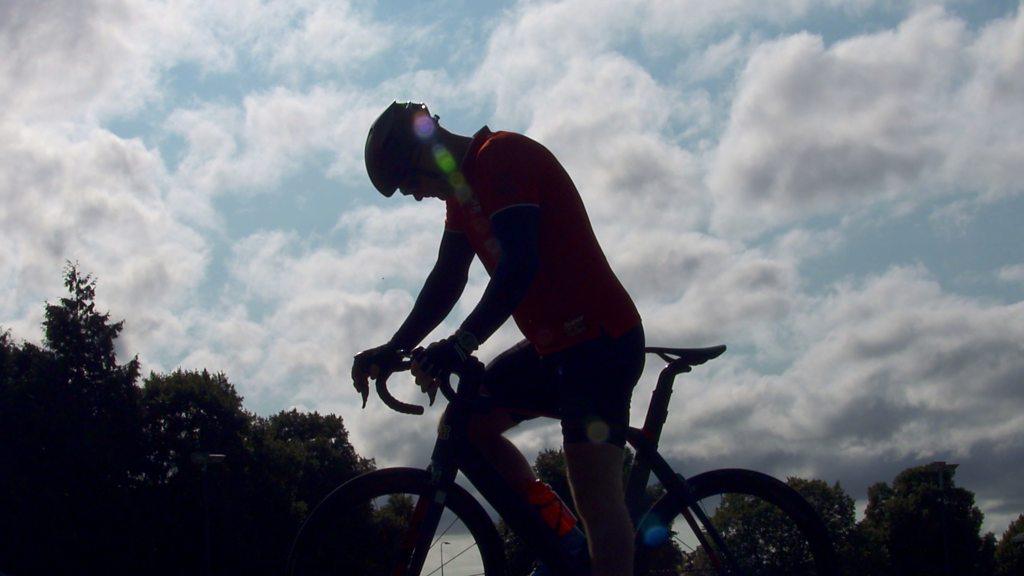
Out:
{"x": 445, "y": 160}
{"x": 457, "y": 180}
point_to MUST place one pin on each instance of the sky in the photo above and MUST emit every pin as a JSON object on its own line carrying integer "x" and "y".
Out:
{"x": 831, "y": 188}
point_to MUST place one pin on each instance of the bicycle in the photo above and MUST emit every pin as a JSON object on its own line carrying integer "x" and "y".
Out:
{"x": 397, "y": 521}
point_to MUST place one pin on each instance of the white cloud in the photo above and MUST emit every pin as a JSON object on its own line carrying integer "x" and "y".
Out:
{"x": 295, "y": 311}
{"x": 1014, "y": 273}
{"x": 251, "y": 147}
{"x": 888, "y": 116}
{"x": 697, "y": 290}
{"x": 693, "y": 20}
{"x": 332, "y": 37}
{"x": 900, "y": 342}
{"x": 717, "y": 59}
{"x": 97, "y": 201}
{"x": 988, "y": 150}
{"x": 890, "y": 371}
{"x": 69, "y": 61}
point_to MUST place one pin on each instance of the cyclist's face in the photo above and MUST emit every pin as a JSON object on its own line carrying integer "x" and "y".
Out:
{"x": 425, "y": 180}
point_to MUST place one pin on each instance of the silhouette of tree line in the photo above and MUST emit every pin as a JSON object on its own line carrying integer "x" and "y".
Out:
{"x": 103, "y": 474}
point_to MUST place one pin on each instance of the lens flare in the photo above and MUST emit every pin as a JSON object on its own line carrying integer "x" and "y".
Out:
{"x": 445, "y": 160}
{"x": 457, "y": 180}
{"x": 655, "y": 536}
{"x": 598, "y": 431}
{"x": 423, "y": 126}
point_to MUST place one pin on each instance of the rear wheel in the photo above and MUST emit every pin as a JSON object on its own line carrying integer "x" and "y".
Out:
{"x": 367, "y": 525}
{"x": 764, "y": 526}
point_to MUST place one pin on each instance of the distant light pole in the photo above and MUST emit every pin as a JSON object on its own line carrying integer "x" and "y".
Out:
{"x": 940, "y": 469}
{"x": 205, "y": 459}
{"x": 442, "y": 556}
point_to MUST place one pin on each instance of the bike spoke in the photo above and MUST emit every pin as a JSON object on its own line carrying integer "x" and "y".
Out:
{"x": 684, "y": 544}
{"x": 449, "y": 561}
{"x": 438, "y": 539}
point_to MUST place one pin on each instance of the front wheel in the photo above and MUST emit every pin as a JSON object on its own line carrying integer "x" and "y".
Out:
{"x": 368, "y": 525}
{"x": 763, "y": 527}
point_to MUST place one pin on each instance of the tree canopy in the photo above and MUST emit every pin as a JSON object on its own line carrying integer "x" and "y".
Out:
{"x": 100, "y": 472}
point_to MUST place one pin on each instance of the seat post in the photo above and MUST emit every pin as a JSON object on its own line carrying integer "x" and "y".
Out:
{"x": 657, "y": 412}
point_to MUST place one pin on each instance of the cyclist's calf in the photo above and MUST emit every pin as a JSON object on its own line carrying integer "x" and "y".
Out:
{"x": 485, "y": 433}
{"x": 595, "y": 475}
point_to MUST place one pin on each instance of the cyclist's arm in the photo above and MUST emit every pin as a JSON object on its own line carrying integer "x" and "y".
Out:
{"x": 515, "y": 228}
{"x": 441, "y": 291}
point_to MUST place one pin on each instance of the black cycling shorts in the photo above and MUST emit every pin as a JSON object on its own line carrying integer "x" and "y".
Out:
{"x": 588, "y": 386}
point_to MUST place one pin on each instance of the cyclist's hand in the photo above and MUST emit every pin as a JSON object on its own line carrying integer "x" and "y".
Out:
{"x": 436, "y": 361}
{"x": 371, "y": 364}
{"x": 428, "y": 384}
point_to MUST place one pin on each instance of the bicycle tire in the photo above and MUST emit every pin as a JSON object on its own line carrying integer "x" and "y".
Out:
{"x": 349, "y": 532}
{"x": 787, "y": 537}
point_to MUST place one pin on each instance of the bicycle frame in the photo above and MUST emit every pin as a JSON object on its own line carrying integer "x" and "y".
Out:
{"x": 647, "y": 459}
{"x": 454, "y": 452}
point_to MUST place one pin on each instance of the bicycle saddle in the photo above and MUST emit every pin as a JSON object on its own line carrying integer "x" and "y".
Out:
{"x": 689, "y": 356}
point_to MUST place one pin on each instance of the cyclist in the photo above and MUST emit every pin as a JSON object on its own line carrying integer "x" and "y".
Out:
{"x": 510, "y": 203}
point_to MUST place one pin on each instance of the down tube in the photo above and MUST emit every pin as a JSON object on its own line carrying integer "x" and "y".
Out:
{"x": 523, "y": 520}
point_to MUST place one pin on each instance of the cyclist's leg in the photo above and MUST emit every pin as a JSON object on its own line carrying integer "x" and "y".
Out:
{"x": 595, "y": 383}
{"x": 513, "y": 378}
{"x": 486, "y": 433}
{"x": 595, "y": 475}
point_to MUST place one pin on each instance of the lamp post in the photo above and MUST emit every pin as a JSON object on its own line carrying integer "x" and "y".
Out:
{"x": 205, "y": 459}
{"x": 940, "y": 469}
{"x": 442, "y": 556}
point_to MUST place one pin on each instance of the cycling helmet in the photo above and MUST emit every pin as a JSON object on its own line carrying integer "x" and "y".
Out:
{"x": 392, "y": 141}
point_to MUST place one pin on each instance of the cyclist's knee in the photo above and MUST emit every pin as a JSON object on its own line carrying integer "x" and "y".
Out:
{"x": 490, "y": 425}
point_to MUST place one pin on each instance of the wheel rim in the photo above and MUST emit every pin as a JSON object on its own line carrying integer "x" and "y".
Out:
{"x": 366, "y": 538}
{"x": 760, "y": 538}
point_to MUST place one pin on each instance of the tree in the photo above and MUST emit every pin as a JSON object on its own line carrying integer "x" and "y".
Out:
{"x": 97, "y": 473}
{"x": 836, "y": 509}
{"x": 187, "y": 413}
{"x": 924, "y": 525}
{"x": 766, "y": 540}
{"x": 309, "y": 454}
{"x": 297, "y": 459}
{"x": 276, "y": 470}
{"x": 1009, "y": 553}
{"x": 70, "y": 440}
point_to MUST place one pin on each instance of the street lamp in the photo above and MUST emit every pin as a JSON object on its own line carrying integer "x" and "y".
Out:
{"x": 442, "y": 556}
{"x": 205, "y": 459}
{"x": 940, "y": 468}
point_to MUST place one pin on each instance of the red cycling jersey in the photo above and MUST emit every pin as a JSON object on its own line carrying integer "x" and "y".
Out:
{"x": 574, "y": 296}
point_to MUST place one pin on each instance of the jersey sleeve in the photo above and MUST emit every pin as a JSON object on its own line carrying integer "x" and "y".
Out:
{"x": 508, "y": 182}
